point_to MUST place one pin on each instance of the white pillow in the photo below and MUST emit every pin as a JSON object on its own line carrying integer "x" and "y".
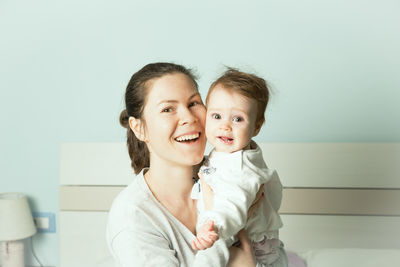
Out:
{"x": 352, "y": 258}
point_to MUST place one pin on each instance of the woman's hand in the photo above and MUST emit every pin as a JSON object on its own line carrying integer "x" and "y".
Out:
{"x": 243, "y": 255}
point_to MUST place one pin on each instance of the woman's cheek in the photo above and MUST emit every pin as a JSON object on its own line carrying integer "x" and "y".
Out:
{"x": 202, "y": 115}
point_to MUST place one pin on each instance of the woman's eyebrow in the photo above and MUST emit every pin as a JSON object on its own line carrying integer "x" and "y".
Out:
{"x": 194, "y": 95}
{"x": 167, "y": 101}
{"x": 176, "y": 101}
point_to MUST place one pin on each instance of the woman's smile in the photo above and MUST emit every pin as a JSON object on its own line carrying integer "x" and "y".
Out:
{"x": 188, "y": 138}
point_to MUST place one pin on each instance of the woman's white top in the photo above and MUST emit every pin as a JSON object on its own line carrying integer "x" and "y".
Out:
{"x": 141, "y": 232}
{"x": 235, "y": 179}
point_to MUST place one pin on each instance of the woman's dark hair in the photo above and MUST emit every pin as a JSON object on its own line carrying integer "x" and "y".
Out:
{"x": 135, "y": 99}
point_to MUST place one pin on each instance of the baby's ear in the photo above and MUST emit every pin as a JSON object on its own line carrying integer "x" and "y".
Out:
{"x": 258, "y": 127}
{"x": 137, "y": 128}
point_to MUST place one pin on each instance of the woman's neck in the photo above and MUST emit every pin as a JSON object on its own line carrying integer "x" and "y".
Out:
{"x": 171, "y": 185}
{"x": 170, "y": 182}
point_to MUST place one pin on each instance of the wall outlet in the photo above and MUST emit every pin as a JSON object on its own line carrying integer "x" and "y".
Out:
{"x": 45, "y": 222}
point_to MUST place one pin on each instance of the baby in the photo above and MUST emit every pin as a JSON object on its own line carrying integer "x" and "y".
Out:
{"x": 236, "y": 171}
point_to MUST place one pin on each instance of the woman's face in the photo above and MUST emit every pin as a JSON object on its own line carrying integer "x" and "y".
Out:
{"x": 174, "y": 117}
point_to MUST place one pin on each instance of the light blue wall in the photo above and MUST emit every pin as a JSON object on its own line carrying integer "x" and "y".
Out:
{"x": 334, "y": 67}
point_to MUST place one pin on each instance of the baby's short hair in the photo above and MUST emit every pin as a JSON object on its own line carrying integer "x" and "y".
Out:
{"x": 248, "y": 85}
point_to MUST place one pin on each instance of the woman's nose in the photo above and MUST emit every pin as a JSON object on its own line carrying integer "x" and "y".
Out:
{"x": 187, "y": 117}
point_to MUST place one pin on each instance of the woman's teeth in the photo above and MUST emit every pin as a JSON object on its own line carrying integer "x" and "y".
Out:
{"x": 187, "y": 137}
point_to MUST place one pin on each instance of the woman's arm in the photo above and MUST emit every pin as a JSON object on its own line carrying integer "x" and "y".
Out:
{"x": 243, "y": 255}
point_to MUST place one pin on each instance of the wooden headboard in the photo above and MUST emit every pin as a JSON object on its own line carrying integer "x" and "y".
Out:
{"x": 336, "y": 195}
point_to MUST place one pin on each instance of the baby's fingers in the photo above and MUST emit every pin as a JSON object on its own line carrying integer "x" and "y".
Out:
{"x": 196, "y": 244}
{"x": 213, "y": 236}
{"x": 206, "y": 243}
{"x": 202, "y": 243}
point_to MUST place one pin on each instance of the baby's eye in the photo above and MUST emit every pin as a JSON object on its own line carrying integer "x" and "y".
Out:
{"x": 237, "y": 119}
{"x": 216, "y": 116}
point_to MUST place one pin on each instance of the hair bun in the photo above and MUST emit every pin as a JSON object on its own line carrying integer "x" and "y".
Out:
{"x": 124, "y": 119}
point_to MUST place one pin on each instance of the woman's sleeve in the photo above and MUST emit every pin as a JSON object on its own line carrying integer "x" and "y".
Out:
{"x": 216, "y": 256}
{"x": 132, "y": 248}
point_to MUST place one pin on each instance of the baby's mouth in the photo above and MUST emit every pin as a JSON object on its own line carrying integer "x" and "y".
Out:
{"x": 225, "y": 140}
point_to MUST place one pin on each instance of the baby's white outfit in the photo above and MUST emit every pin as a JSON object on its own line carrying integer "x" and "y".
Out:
{"x": 235, "y": 179}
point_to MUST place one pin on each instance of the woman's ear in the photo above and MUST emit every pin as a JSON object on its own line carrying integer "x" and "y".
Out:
{"x": 137, "y": 128}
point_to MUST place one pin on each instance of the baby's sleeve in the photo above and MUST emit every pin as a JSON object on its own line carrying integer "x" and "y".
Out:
{"x": 232, "y": 200}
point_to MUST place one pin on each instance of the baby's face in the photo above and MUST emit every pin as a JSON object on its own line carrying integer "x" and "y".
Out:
{"x": 230, "y": 121}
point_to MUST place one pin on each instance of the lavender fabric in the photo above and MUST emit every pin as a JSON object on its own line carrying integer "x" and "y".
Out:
{"x": 294, "y": 260}
{"x": 267, "y": 251}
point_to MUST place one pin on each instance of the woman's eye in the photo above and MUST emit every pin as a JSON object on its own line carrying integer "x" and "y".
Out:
{"x": 166, "y": 110}
{"x": 216, "y": 116}
{"x": 194, "y": 103}
{"x": 237, "y": 119}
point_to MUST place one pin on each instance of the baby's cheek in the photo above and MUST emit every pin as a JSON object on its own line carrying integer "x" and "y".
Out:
{"x": 247, "y": 134}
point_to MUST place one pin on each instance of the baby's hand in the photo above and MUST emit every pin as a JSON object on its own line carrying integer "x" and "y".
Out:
{"x": 206, "y": 236}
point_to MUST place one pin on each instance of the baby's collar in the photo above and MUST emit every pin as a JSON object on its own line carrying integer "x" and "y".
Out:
{"x": 226, "y": 160}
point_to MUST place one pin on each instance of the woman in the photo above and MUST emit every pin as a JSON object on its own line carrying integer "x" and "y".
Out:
{"x": 152, "y": 222}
